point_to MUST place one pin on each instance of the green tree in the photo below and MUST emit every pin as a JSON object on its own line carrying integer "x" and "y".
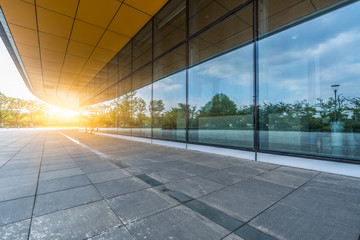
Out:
{"x": 156, "y": 107}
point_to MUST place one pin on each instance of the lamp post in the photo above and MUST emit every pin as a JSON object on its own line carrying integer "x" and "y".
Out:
{"x": 335, "y": 88}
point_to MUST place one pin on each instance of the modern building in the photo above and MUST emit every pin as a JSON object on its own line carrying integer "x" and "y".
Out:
{"x": 259, "y": 76}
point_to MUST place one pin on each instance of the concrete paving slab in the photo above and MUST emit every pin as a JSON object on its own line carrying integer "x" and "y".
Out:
{"x": 18, "y": 231}
{"x": 76, "y": 223}
{"x": 18, "y": 172}
{"x": 118, "y": 233}
{"x": 60, "y": 174}
{"x": 233, "y": 237}
{"x": 58, "y": 166}
{"x": 18, "y": 191}
{"x": 16, "y": 210}
{"x": 18, "y": 180}
{"x": 169, "y": 175}
{"x": 131, "y": 207}
{"x": 176, "y": 223}
{"x": 290, "y": 223}
{"x": 246, "y": 199}
{"x": 340, "y": 204}
{"x": 282, "y": 179}
{"x": 55, "y": 201}
{"x": 108, "y": 175}
{"x": 100, "y": 167}
{"x": 194, "y": 186}
{"x": 120, "y": 186}
{"x": 62, "y": 183}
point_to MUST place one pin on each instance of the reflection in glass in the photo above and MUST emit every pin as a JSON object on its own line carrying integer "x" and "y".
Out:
{"x": 169, "y": 106}
{"x": 220, "y": 98}
{"x": 299, "y": 68}
{"x": 141, "y": 117}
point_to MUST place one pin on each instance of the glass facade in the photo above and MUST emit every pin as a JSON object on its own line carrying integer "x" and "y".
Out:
{"x": 267, "y": 75}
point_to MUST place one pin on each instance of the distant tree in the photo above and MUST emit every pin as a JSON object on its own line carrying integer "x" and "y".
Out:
{"x": 3, "y": 103}
{"x": 156, "y": 107}
{"x": 219, "y": 105}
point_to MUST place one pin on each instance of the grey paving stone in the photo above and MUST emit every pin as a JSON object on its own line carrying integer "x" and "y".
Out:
{"x": 176, "y": 223}
{"x": 282, "y": 179}
{"x": 194, "y": 186}
{"x": 120, "y": 186}
{"x": 18, "y": 180}
{"x": 62, "y": 183}
{"x": 12, "y": 166}
{"x": 55, "y": 167}
{"x": 108, "y": 175}
{"x": 55, "y": 201}
{"x": 131, "y": 207}
{"x": 18, "y": 172}
{"x": 118, "y": 233}
{"x": 232, "y": 175}
{"x": 248, "y": 232}
{"x": 149, "y": 180}
{"x": 76, "y": 223}
{"x": 246, "y": 199}
{"x": 169, "y": 175}
{"x": 60, "y": 174}
{"x": 18, "y": 231}
{"x": 215, "y": 215}
{"x": 263, "y": 165}
{"x": 16, "y": 210}
{"x": 148, "y": 168}
{"x": 341, "y": 203}
{"x": 298, "y": 172}
{"x": 233, "y": 237}
{"x": 290, "y": 223}
{"x": 18, "y": 191}
{"x": 100, "y": 167}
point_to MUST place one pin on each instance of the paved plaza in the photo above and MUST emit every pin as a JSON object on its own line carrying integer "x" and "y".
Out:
{"x": 65, "y": 184}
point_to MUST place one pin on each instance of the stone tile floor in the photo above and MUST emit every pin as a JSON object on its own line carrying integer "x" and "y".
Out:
{"x": 107, "y": 188}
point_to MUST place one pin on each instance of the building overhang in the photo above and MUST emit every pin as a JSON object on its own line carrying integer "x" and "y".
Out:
{"x": 60, "y": 46}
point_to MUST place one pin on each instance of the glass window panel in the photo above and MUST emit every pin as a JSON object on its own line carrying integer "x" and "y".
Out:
{"x": 141, "y": 124}
{"x": 169, "y": 107}
{"x": 236, "y": 29}
{"x": 220, "y": 98}
{"x": 142, "y": 77}
{"x": 170, "y": 63}
{"x": 300, "y": 69}
{"x": 124, "y": 61}
{"x": 205, "y": 12}
{"x": 274, "y": 14}
{"x": 124, "y": 106}
{"x": 142, "y": 47}
{"x": 170, "y": 26}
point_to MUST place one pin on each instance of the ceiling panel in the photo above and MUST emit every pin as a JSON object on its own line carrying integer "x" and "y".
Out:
{"x": 122, "y": 25}
{"x": 113, "y": 41}
{"x": 54, "y": 23}
{"x": 99, "y": 14}
{"x": 79, "y": 49}
{"x": 24, "y": 35}
{"x": 28, "y": 51}
{"x": 149, "y": 7}
{"x": 19, "y": 13}
{"x": 86, "y": 33}
{"x": 51, "y": 42}
{"x": 67, "y": 7}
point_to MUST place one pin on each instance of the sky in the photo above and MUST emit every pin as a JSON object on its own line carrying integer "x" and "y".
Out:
{"x": 11, "y": 82}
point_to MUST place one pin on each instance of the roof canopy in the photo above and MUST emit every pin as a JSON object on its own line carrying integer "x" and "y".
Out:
{"x": 61, "y": 45}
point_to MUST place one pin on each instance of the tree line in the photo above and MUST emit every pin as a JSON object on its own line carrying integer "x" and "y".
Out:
{"x": 16, "y": 112}
{"x": 220, "y": 112}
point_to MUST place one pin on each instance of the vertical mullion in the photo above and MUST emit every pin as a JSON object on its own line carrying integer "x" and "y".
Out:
{"x": 152, "y": 75}
{"x": 187, "y": 108}
{"x": 256, "y": 75}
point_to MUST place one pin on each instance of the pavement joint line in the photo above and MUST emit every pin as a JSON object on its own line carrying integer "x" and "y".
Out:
{"x": 37, "y": 186}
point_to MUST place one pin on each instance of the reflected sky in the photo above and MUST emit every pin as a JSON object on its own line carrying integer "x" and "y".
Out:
{"x": 304, "y": 61}
{"x": 230, "y": 74}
